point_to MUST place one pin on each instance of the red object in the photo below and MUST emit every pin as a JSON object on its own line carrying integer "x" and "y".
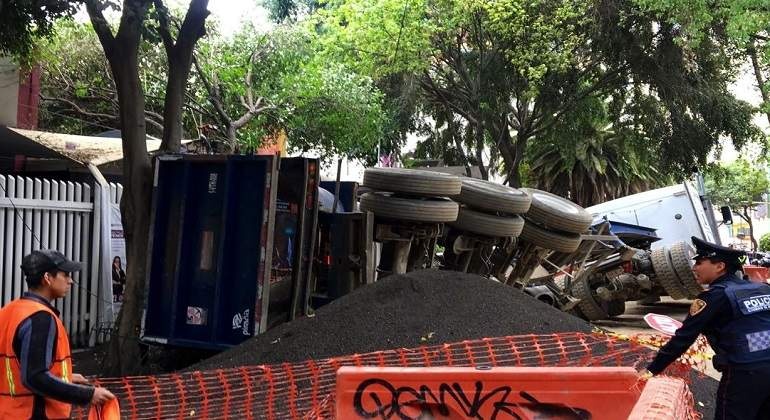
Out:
{"x": 107, "y": 411}
{"x": 628, "y": 267}
{"x": 662, "y": 323}
{"x": 29, "y": 99}
{"x": 662, "y": 399}
{"x": 756, "y": 273}
{"x": 18, "y": 163}
{"x": 505, "y": 392}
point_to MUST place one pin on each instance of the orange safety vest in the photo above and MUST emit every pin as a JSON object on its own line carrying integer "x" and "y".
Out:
{"x": 16, "y": 401}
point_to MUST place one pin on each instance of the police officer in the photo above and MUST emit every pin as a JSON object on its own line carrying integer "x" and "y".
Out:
{"x": 734, "y": 315}
{"x": 35, "y": 357}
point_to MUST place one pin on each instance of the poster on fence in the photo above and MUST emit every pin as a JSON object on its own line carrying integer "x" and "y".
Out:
{"x": 118, "y": 253}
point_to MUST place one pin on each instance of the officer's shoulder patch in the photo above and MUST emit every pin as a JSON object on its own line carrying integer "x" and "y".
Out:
{"x": 697, "y": 306}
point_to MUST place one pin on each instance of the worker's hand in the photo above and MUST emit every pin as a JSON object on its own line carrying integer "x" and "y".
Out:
{"x": 101, "y": 396}
{"x": 644, "y": 374}
{"x": 79, "y": 379}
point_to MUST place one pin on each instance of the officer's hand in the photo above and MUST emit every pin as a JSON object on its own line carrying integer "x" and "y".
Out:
{"x": 101, "y": 396}
{"x": 644, "y": 374}
{"x": 79, "y": 379}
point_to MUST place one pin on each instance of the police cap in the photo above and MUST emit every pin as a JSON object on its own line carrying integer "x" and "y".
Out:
{"x": 716, "y": 252}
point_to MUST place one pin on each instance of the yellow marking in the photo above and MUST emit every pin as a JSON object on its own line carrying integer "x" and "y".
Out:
{"x": 9, "y": 376}
{"x": 64, "y": 371}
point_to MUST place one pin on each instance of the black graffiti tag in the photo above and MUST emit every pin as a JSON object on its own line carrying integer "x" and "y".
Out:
{"x": 407, "y": 403}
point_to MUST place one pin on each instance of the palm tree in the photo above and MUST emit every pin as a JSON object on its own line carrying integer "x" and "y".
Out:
{"x": 590, "y": 162}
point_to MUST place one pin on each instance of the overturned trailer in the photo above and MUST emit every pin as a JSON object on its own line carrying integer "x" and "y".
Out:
{"x": 240, "y": 244}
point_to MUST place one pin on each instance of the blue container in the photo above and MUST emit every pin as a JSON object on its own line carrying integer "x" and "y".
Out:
{"x": 209, "y": 268}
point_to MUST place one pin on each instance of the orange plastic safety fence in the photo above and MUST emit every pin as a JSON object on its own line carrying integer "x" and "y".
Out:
{"x": 306, "y": 389}
{"x": 663, "y": 399}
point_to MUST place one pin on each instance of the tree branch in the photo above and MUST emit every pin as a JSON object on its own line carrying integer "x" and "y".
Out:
{"x": 77, "y": 108}
{"x": 102, "y": 28}
{"x": 163, "y": 27}
{"x": 80, "y": 110}
{"x": 214, "y": 97}
{"x": 427, "y": 82}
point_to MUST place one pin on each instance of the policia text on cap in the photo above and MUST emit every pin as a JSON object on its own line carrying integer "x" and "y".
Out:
{"x": 734, "y": 315}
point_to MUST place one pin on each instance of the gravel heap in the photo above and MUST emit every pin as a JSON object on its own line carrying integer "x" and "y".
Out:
{"x": 420, "y": 308}
{"x": 403, "y": 311}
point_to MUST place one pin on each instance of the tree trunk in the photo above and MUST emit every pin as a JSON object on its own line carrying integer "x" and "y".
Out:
{"x": 124, "y": 355}
{"x": 514, "y": 176}
{"x": 180, "y": 58}
{"x": 747, "y": 217}
{"x": 232, "y": 137}
{"x": 760, "y": 79}
{"x": 122, "y": 50}
{"x": 480, "y": 150}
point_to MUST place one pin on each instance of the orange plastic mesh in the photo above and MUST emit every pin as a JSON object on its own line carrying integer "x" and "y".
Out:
{"x": 663, "y": 399}
{"x": 305, "y": 390}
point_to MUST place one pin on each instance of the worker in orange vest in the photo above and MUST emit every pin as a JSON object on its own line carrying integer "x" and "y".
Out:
{"x": 38, "y": 382}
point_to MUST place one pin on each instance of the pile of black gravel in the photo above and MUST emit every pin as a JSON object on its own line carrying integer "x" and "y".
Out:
{"x": 425, "y": 307}
{"x": 420, "y": 308}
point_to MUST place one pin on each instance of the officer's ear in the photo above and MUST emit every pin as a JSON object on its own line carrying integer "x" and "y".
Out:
{"x": 721, "y": 266}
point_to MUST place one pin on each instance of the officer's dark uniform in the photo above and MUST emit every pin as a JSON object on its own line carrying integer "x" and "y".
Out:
{"x": 734, "y": 315}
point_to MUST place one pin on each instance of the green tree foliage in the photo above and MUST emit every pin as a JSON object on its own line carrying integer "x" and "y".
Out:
{"x": 494, "y": 75}
{"x": 245, "y": 88}
{"x": 78, "y": 91}
{"x": 764, "y": 242}
{"x": 739, "y": 185}
{"x": 290, "y": 10}
{"x": 590, "y": 161}
{"x": 743, "y": 24}
{"x": 281, "y": 83}
{"x": 23, "y": 22}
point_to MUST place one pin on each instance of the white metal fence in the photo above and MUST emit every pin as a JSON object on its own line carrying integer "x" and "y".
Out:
{"x": 41, "y": 213}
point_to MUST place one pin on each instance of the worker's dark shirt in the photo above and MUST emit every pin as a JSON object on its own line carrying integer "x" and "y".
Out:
{"x": 35, "y": 346}
{"x": 716, "y": 313}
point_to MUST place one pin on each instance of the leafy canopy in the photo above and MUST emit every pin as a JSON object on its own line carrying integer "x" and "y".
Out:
{"x": 738, "y": 184}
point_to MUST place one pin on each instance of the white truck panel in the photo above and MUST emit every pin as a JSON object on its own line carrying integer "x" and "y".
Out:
{"x": 675, "y": 212}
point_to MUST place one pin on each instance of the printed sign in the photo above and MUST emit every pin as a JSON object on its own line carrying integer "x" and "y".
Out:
{"x": 118, "y": 257}
{"x": 662, "y": 323}
{"x": 755, "y": 304}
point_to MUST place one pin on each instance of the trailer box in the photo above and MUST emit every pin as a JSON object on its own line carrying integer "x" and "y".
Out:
{"x": 209, "y": 262}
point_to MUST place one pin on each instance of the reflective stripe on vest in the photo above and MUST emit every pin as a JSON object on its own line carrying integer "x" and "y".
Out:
{"x": 9, "y": 377}
{"x": 16, "y": 401}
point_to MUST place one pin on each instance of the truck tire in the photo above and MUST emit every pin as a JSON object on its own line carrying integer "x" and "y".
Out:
{"x": 435, "y": 210}
{"x": 556, "y": 241}
{"x": 589, "y": 306}
{"x": 681, "y": 254}
{"x": 666, "y": 275}
{"x": 557, "y": 213}
{"x": 412, "y": 181}
{"x": 489, "y": 196}
{"x": 487, "y": 224}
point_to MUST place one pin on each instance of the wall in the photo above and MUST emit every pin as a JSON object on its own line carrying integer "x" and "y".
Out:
{"x": 9, "y": 92}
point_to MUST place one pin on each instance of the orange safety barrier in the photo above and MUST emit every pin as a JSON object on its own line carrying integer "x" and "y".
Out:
{"x": 663, "y": 399}
{"x": 306, "y": 390}
{"x": 107, "y": 411}
{"x": 757, "y": 273}
{"x": 603, "y": 393}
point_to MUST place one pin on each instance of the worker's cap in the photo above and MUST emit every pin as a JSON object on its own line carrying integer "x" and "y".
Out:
{"x": 716, "y": 252}
{"x": 46, "y": 260}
